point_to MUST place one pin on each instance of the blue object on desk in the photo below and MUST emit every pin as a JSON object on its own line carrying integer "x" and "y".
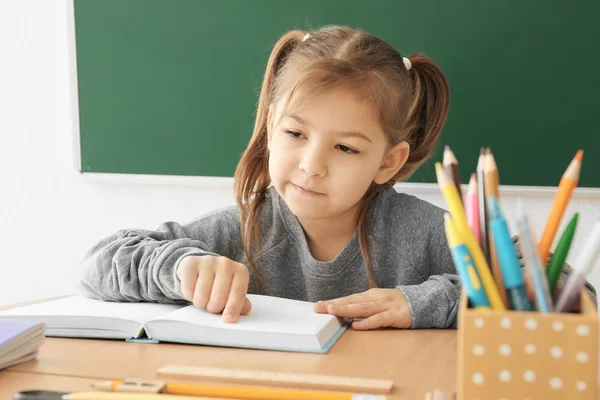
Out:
{"x": 507, "y": 256}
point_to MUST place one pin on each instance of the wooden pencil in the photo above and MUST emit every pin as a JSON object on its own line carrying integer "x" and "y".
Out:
{"x": 490, "y": 170}
{"x": 459, "y": 217}
{"x": 482, "y": 205}
{"x": 451, "y": 165}
{"x": 491, "y": 188}
{"x": 567, "y": 184}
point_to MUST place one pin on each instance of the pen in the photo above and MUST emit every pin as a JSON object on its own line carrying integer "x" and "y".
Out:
{"x": 464, "y": 265}
{"x": 557, "y": 260}
{"x": 588, "y": 257}
{"x": 460, "y": 220}
{"x": 534, "y": 266}
{"x": 507, "y": 255}
{"x": 236, "y": 392}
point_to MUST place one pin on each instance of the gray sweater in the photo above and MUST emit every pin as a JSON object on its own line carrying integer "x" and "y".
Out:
{"x": 408, "y": 241}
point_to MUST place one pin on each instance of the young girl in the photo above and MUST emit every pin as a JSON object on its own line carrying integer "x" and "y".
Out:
{"x": 341, "y": 117}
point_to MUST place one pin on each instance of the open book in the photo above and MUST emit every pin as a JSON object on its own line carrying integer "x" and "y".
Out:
{"x": 273, "y": 323}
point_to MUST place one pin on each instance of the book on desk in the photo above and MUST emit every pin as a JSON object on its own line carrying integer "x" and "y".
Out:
{"x": 19, "y": 341}
{"x": 273, "y": 323}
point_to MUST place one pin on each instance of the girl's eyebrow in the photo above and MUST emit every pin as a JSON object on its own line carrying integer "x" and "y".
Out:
{"x": 344, "y": 134}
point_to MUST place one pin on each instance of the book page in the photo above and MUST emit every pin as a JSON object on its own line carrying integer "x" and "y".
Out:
{"x": 268, "y": 314}
{"x": 80, "y": 306}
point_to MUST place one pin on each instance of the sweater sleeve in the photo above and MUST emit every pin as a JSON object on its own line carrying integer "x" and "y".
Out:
{"x": 434, "y": 303}
{"x": 140, "y": 265}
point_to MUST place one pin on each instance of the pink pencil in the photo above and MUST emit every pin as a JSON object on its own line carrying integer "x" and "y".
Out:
{"x": 472, "y": 208}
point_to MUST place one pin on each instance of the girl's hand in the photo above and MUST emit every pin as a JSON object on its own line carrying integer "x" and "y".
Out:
{"x": 378, "y": 308}
{"x": 216, "y": 284}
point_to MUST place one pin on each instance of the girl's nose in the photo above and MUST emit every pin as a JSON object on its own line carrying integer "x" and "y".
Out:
{"x": 313, "y": 162}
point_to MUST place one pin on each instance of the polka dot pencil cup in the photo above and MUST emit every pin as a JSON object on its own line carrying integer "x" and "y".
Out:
{"x": 527, "y": 355}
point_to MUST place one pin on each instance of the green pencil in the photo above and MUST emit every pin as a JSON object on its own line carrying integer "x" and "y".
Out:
{"x": 560, "y": 254}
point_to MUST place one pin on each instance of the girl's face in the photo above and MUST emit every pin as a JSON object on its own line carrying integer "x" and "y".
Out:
{"x": 325, "y": 155}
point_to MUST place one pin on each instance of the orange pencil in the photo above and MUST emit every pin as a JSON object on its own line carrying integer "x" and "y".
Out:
{"x": 566, "y": 186}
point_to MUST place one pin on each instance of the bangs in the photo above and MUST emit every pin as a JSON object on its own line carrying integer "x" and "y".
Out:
{"x": 322, "y": 77}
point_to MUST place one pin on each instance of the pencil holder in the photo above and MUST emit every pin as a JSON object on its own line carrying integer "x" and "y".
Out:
{"x": 527, "y": 355}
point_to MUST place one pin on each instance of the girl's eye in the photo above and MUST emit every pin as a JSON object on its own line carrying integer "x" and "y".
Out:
{"x": 293, "y": 134}
{"x": 346, "y": 149}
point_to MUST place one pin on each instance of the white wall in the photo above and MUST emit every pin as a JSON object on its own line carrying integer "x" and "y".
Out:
{"x": 50, "y": 214}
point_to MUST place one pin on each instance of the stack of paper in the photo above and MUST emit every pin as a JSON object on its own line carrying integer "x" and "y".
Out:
{"x": 19, "y": 341}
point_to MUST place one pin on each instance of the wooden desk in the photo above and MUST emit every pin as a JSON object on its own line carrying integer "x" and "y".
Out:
{"x": 12, "y": 382}
{"x": 416, "y": 360}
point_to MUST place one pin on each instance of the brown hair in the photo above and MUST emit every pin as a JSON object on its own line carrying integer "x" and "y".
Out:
{"x": 412, "y": 106}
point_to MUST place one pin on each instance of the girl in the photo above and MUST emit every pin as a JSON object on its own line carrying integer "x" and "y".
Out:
{"x": 341, "y": 117}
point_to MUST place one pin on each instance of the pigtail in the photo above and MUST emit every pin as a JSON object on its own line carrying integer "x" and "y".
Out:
{"x": 427, "y": 113}
{"x": 251, "y": 178}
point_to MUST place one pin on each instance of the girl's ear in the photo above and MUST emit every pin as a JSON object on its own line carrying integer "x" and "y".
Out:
{"x": 394, "y": 159}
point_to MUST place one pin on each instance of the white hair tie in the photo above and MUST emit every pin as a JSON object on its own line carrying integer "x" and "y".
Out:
{"x": 306, "y": 37}
{"x": 407, "y": 63}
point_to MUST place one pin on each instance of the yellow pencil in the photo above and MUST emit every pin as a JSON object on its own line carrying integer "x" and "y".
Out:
{"x": 133, "y": 396}
{"x": 235, "y": 392}
{"x": 460, "y": 220}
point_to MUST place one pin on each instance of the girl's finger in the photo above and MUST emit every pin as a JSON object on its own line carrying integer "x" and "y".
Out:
{"x": 237, "y": 298}
{"x": 353, "y": 298}
{"x": 381, "y": 320}
{"x": 189, "y": 279}
{"x": 204, "y": 284}
{"x": 247, "y": 306}
{"x": 220, "y": 290}
{"x": 357, "y": 310}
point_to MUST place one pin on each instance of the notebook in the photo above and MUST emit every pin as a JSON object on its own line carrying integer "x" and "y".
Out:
{"x": 19, "y": 341}
{"x": 273, "y": 323}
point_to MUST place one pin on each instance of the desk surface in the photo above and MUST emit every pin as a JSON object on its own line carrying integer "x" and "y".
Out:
{"x": 416, "y": 360}
{"x": 12, "y": 382}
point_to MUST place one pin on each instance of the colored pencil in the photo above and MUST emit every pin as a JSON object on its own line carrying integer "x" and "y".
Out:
{"x": 490, "y": 171}
{"x": 566, "y": 186}
{"x": 459, "y": 218}
{"x": 451, "y": 165}
{"x": 482, "y": 206}
{"x": 472, "y": 208}
{"x": 588, "y": 257}
{"x": 533, "y": 265}
{"x": 557, "y": 260}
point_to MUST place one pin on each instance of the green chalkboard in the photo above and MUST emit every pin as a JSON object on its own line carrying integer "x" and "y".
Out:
{"x": 170, "y": 86}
